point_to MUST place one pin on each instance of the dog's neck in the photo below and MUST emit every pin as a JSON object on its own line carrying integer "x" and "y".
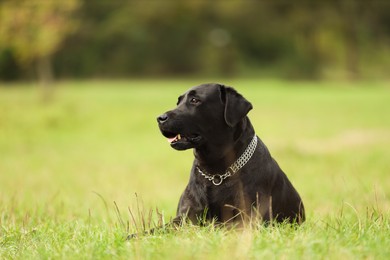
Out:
{"x": 217, "y": 158}
{"x": 218, "y": 178}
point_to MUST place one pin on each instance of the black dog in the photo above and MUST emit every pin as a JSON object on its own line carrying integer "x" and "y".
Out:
{"x": 233, "y": 177}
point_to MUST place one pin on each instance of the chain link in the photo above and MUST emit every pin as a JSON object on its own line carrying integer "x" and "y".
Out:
{"x": 217, "y": 179}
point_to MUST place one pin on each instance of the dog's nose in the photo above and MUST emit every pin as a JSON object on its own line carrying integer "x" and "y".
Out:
{"x": 161, "y": 119}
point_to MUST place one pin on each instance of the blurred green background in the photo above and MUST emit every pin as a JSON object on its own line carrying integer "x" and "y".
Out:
{"x": 117, "y": 39}
{"x": 102, "y": 137}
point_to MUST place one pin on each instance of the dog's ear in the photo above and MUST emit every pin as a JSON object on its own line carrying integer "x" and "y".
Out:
{"x": 236, "y": 106}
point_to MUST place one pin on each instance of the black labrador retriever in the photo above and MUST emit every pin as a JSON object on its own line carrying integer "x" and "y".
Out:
{"x": 233, "y": 177}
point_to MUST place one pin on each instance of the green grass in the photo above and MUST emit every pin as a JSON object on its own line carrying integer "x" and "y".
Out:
{"x": 70, "y": 169}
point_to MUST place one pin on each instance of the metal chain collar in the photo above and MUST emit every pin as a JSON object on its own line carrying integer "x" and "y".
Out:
{"x": 217, "y": 179}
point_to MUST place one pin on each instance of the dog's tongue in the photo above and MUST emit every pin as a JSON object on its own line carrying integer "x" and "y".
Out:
{"x": 171, "y": 139}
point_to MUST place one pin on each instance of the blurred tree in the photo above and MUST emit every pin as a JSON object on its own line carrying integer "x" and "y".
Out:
{"x": 34, "y": 30}
{"x": 9, "y": 69}
{"x": 121, "y": 38}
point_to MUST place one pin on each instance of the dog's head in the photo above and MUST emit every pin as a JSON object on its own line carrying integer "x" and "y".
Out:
{"x": 205, "y": 114}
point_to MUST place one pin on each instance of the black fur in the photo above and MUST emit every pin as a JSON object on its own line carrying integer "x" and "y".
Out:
{"x": 212, "y": 119}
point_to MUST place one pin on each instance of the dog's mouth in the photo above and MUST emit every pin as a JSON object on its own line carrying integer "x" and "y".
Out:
{"x": 182, "y": 141}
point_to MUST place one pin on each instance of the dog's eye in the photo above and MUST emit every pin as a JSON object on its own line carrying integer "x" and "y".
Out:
{"x": 194, "y": 100}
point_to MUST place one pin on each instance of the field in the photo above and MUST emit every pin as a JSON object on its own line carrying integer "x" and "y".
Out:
{"x": 81, "y": 172}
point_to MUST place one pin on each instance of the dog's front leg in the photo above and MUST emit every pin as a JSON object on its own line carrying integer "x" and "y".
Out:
{"x": 192, "y": 205}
